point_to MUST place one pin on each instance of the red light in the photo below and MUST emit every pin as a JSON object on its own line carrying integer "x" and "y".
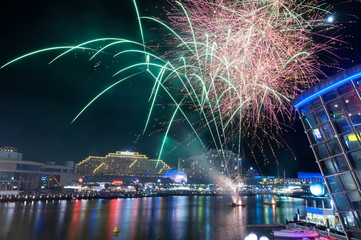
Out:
{"x": 80, "y": 180}
{"x": 117, "y": 182}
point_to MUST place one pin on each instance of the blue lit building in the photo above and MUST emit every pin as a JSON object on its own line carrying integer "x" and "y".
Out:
{"x": 331, "y": 116}
{"x": 176, "y": 175}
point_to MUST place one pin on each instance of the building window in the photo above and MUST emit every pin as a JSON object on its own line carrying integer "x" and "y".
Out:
{"x": 334, "y": 184}
{"x": 354, "y": 199}
{"x": 335, "y": 108}
{"x": 355, "y": 118}
{"x": 332, "y": 147}
{"x": 321, "y": 151}
{"x": 326, "y": 131}
{"x": 327, "y": 167}
{"x": 355, "y": 159}
{"x": 340, "y": 201}
{"x": 349, "y": 220}
{"x": 347, "y": 182}
{"x": 309, "y": 121}
{"x": 351, "y": 102}
{"x": 340, "y": 164}
{"x": 315, "y": 135}
{"x": 320, "y": 116}
{"x": 342, "y": 124}
{"x": 350, "y": 141}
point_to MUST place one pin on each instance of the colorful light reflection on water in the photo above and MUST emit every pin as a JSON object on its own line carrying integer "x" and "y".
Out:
{"x": 178, "y": 217}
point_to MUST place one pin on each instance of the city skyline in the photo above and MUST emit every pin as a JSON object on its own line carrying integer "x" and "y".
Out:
{"x": 39, "y": 100}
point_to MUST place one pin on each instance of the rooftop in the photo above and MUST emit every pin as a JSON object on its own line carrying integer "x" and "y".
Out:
{"x": 327, "y": 85}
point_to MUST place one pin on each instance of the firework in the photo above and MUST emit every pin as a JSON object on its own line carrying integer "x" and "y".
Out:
{"x": 244, "y": 60}
{"x": 236, "y": 63}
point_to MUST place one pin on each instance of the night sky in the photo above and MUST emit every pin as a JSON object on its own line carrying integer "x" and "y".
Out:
{"x": 38, "y": 101}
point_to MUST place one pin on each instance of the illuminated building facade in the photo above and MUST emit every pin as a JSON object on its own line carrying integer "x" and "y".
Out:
{"x": 331, "y": 116}
{"x": 122, "y": 164}
{"x": 177, "y": 176}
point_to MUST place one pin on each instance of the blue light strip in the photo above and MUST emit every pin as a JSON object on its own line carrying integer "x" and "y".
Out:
{"x": 327, "y": 89}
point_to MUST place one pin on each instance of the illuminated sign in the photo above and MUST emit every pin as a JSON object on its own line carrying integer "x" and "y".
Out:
{"x": 317, "y": 189}
{"x": 127, "y": 153}
{"x": 352, "y": 137}
{"x": 117, "y": 182}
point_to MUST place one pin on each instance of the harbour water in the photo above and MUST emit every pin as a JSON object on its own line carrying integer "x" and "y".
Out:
{"x": 174, "y": 217}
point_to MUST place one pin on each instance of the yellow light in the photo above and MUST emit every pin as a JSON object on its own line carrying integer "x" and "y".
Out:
{"x": 352, "y": 138}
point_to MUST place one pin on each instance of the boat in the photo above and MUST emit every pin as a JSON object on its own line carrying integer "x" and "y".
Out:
{"x": 238, "y": 205}
{"x": 295, "y": 233}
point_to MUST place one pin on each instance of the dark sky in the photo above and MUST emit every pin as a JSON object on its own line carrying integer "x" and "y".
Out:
{"x": 38, "y": 101}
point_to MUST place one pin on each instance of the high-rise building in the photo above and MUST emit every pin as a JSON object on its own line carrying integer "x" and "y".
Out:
{"x": 331, "y": 116}
{"x": 211, "y": 165}
{"x": 122, "y": 164}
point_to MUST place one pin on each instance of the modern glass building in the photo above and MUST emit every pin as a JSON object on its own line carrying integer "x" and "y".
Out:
{"x": 331, "y": 116}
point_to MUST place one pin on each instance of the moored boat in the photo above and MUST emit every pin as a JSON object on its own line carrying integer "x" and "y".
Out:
{"x": 295, "y": 233}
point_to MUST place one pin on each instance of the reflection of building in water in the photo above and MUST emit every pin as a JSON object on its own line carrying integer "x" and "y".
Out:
{"x": 122, "y": 164}
{"x": 331, "y": 115}
{"x": 212, "y": 164}
{"x": 17, "y": 174}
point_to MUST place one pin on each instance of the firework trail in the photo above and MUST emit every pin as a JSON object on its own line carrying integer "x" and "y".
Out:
{"x": 237, "y": 63}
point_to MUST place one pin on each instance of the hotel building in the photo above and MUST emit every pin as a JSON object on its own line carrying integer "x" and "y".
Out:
{"x": 331, "y": 116}
{"x": 122, "y": 164}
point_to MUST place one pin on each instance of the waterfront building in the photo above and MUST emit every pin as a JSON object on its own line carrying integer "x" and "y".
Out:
{"x": 122, "y": 164}
{"x": 320, "y": 211}
{"x": 17, "y": 174}
{"x": 331, "y": 116}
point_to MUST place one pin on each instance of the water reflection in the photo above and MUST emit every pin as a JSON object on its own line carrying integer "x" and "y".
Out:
{"x": 179, "y": 217}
